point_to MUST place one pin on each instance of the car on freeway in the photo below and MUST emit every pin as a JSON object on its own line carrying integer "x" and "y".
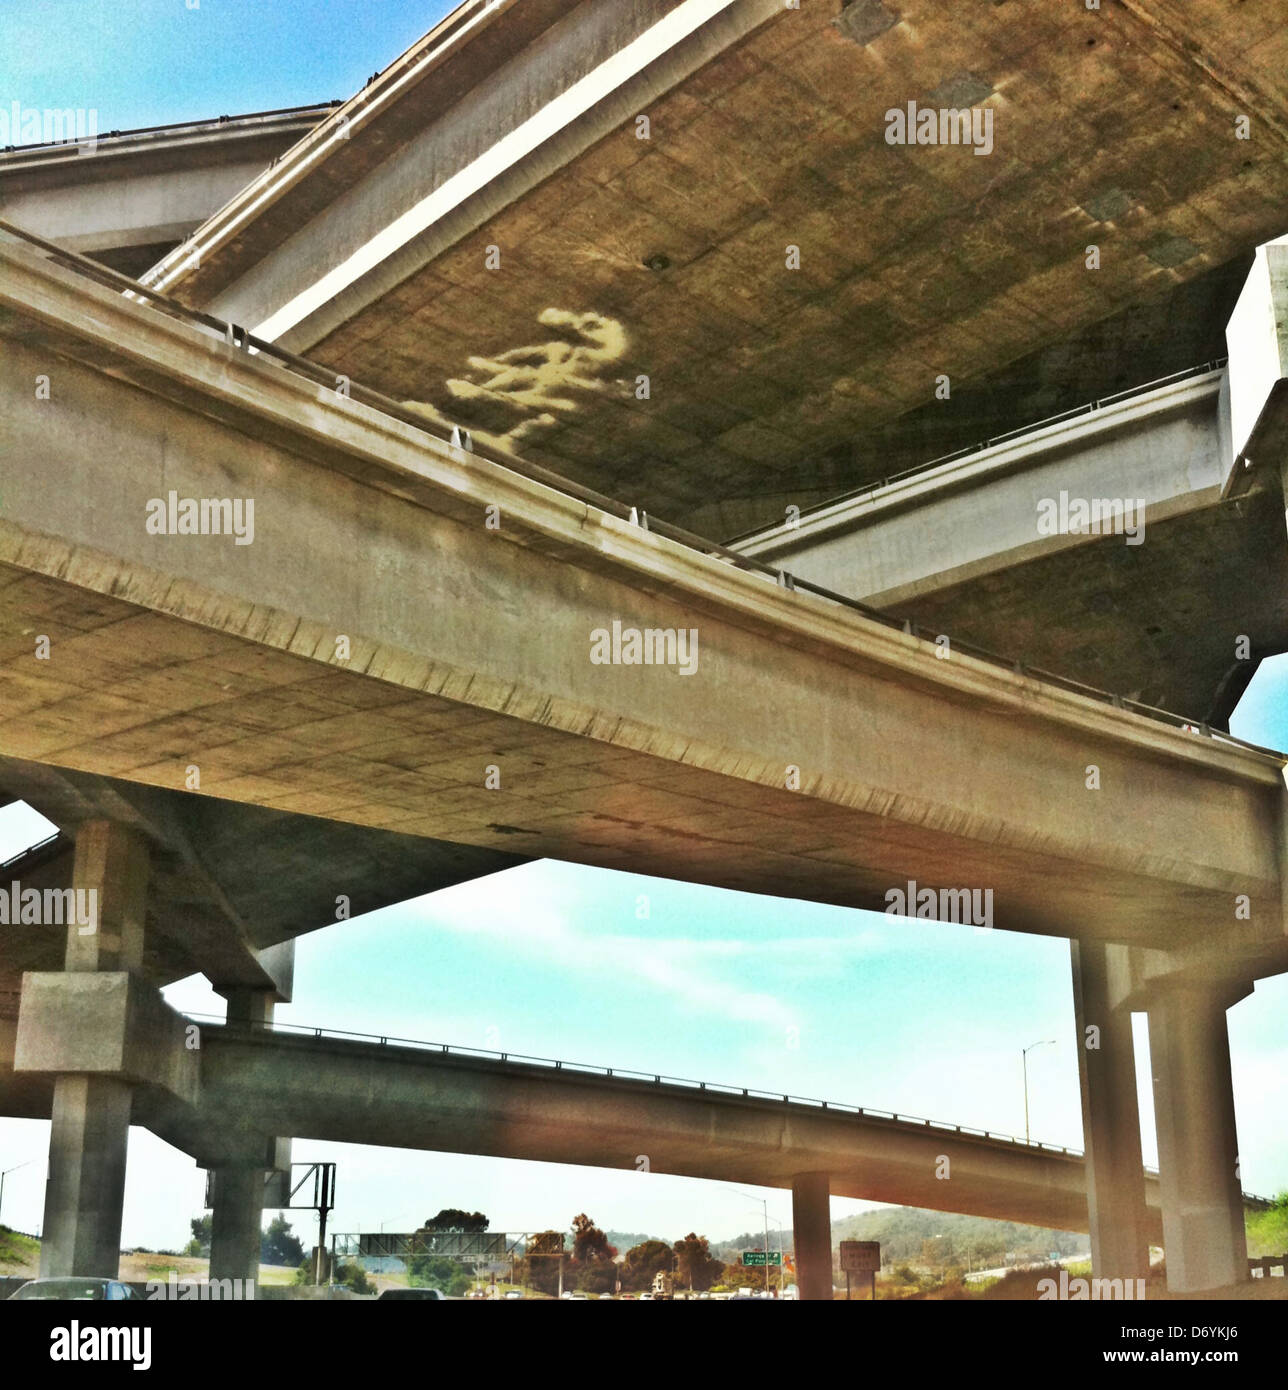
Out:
{"x": 78, "y": 1289}
{"x": 433, "y": 1295}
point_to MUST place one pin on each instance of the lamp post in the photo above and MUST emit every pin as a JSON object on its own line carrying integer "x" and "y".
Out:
{"x": 1024, "y": 1060}
{"x": 6, "y": 1172}
{"x": 764, "y": 1207}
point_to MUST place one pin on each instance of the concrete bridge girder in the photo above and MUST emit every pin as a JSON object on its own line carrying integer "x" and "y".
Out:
{"x": 667, "y": 772}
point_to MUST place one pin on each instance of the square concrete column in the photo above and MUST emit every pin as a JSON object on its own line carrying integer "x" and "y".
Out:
{"x": 1198, "y": 1149}
{"x": 239, "y": 1189}
{"x": 812, "y": 1235}
{"x": 111, "y": 863}
{"x": 1110, "y": 1120}
{"x": 86, "y": 1187}
{"x": 236, "y": 1223}
{"x": 90, "y": 1126}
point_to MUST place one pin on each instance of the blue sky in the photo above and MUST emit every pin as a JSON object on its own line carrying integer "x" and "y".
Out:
{"x": 151, "y": 62}
{"x": 554, "y": 960}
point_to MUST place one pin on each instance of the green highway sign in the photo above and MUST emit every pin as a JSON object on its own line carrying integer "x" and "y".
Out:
{"x": 758, "y": 1257}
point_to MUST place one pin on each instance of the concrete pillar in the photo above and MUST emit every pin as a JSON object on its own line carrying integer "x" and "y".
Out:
{"x": 238, "y": 1196}
{"x": 86, "y": 1184}
{"x": 1198, "y": 1150}
{"x": 90, "y": 1126}
{"x": 236, "y": 1223}
{"x": 248, "y": 1006}
{"x": 812, "y": 1235}
{"x": 1110, "y": 1120}
{"x": 111, "y": 863}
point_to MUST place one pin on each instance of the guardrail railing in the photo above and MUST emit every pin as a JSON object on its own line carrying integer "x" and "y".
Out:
{"x": 239, "y": 338}
{"x": 30, "y": 850}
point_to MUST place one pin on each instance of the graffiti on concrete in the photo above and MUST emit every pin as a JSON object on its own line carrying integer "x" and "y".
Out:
{"x": 510, "y": 396}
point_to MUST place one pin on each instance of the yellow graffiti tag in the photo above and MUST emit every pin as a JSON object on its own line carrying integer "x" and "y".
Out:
{"x": 531, "y": 382}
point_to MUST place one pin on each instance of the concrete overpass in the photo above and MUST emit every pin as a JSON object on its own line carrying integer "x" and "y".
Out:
{"x": 127, "y": 198}
{"x": 905, "y": 763}
{"x": 958, "y": 546}
{"x": 516, "y": 127}
{"x": 485, "y": 235}
{"x": 669, "y": 774}
{"x": 326, "y": 1084}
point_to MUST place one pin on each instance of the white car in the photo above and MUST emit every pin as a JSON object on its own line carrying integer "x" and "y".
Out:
{"x": 77, "y": 1288}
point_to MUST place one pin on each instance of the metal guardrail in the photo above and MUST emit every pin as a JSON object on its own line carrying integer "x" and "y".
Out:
{"x": 658, "y": 1079}
{"x": 240, "y": 338}
{"x": 178, "y": 127}
{"x": 30, "y": 850}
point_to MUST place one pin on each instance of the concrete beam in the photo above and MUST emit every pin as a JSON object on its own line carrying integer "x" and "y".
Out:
{"x": 255, "y": 1083}
{"x": 907, "y": 762}
{"x": 987, "y": 512}
{"x": 532, "y": 108}
{"x": 142, "y": 188}
{"x": 109, "y": 1024}
{"x": 1257, "y": 341}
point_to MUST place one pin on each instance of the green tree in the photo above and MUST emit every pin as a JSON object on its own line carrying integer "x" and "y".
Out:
{"x": 593, "y": 1266}
{"x": 437, "y": 1272}
{"x": 352, "y": 1276}
{"x": 453, "y": 1219}
{"x": 278, "y": 1246}
{"x": 694, "y": 1263}
{"x": 200, "y": 1242}
{"x": 540, "y": 1265}
{"x": 643, "y": 1261}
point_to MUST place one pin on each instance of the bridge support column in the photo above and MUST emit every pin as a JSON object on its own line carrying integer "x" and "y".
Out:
{"x": 1198, "y": 1150}
{"x": 1110, "y": 1119}
{"x": 85, "y": 1190}
{"x": 89, "y": 1134}
{"x": 236, "y": 1223}
{"x": 239, "y": 1188}
{"x": 812, "y": 1235}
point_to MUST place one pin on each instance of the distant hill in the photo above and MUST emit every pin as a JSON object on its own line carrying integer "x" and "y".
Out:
{"x": 911, "y": 1235}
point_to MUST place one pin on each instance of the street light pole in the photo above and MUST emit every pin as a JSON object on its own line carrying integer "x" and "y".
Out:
{"x": 1024, "y": 1060}
{"x": 765, "y": 1204}
{"x": 6, "y": 1172}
